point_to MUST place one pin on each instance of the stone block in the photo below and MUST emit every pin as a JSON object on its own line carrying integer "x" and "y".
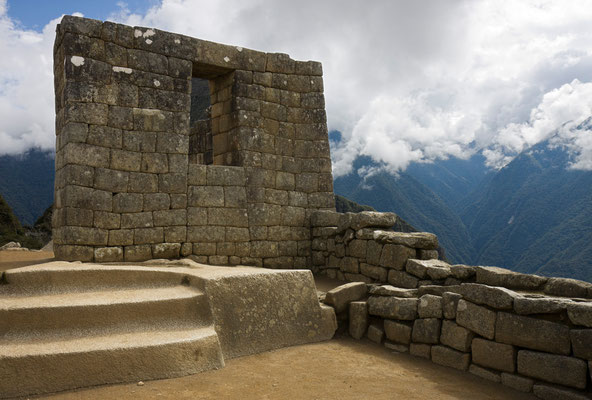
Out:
{"x": 178, "y": 200}
{"x": 539, "y": 305}
{"x": 105, "y": 136}
{"x": 393, "y": 307}
{"x": 462, "y": 272}
{"x": 388, "y": 290}
{"x": 175, "y": 234}
{"x": 206, "y": 196}
{"x": 494, "y": 297}
{"x": 476, "y": 318}
{"x": 136, "y": 220}
{"x": 402, "y": 279}
{"x": 517, "y": 382}
{"x": 399, "y": 348}
{"x": 568, "y": 287}
{"x": 485, "y": 373}
{"x": 374, "y": 272}
{"x": 494, "y": 355}
{"x": 427, "y": 254}
{"x": 428, "y": 269}
{"x": 356, "y": 248}
{"x": 137, "y": 253}
{"x": 373, "y": 252}
{"x": 397, "y": 332}
{"x": 172, "y": 183}
{"x": 532, "y": 333}
{"x": 448, "y": 357}
{"x": 349, "y": 265}
{"x": 121, "y": 237}
{"x": 84, "y": 154}
{"x": 143, "y": 183}
{"x": 456, "y": 336}
{"x": 341, "y": 296}
{"x": 580, "y": 314}
{"x": 80, "y": 235}
{"x": 395, "y": 256}
{"x": 111, "y": 180}
{"x": 567, "y": 371}
{"x": 73, "y": 253}
{"x": 154, "y": 163}
{"x": 324, "y": 218}
{"x": 199, "y": 234}
{"x": 152, "y": 120}
{"x": 449, "y": 304}
{"x": 148, "y": 235}
{"x": 156, "y": 201}
{"x": 581, "y": 342}
{"x": 420, "y": 350}
{"x": 430, "y": 306}
{"x": 108, "y": 254}
{"x": 106, "y": 220}
{"x": 196, "y": 174}
{"x": 426, "y": 330}
{"x": 127, "y": 203}
{"x": 358, "y": 319}
{"x": 166, "y": 250}
{"x": 373, "y": 219}
{"x": 123, "y": 160}
{"x": 375, "y": 333}
{"x": 417, "y": 240}
{"x": 170, "y": 217}
{"x": 494, "y": 276}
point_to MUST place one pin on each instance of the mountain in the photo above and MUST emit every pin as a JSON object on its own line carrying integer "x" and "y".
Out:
{"x": 412, "y": 201}
{"x": 26, "y": 183}
{"x": 534, "y": 215}
{"x": 12, "y": 231}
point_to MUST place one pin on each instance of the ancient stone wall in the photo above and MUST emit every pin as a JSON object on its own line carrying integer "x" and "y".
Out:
{"x": 129, "y": 186}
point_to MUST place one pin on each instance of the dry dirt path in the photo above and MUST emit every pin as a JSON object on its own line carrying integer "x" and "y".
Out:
{"x": 342, "y": 369}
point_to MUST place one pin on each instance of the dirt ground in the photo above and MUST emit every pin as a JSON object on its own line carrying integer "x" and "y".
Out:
{"x": 342, "y": 368}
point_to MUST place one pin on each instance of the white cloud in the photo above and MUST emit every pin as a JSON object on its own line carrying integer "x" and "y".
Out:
{"x": 404, "y": 81}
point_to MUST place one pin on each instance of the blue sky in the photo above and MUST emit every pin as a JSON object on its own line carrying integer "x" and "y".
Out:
{"x": 405, "y": 81}
{"x": 34, "y": 14}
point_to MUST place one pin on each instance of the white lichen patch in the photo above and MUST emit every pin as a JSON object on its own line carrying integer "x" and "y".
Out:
{"x": 149, "y": 33}
{"x": 137, "y": 33}
{"x": 239, "y": 48}
{"x": 156, "y": 83}
{"x": 226, "y": 59}
{"x": 122, "y": 69}
{"x": 148, "y": 41}
{"x": 177, "y": 41}
{"x": 251, "y": 60}
{"x": 77, "y": 60}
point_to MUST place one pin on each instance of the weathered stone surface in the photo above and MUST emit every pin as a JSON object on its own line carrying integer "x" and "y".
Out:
{"x": 395, "y": 256}
{"x": 580, "y": 313}
{"x": 426, "y": 330}
{"x": 485, "y": 373}
{"x": 494, "y": 355}
{"x": 568, "y": 287}
{"x": 532, "y": 333}
{"x": 356, "y": 248}
{"x": 456, "y": 336}
{"x": 547, "y": 392}
{"x": 494, "y": 276}
{"x": 491, "y": 296}
{"x": 350, "y": 265}
{"x": 432, "y": 269}
{"x": 581, "y": 342}
{"x": 374, "y": 272}
{"x": 393, "y": 307}
{"x": 388, "y": 290}
{"x": 402, "y": 279}
{"x": 398, "y": 332}
{"x": 358, "y": 319}
{"x": 108, "y": 254}
{"x": 517, "y": 382}
{"x": 526, "y": 305}
{"x": 567, "y": 371}
{"x": 476, "y": 318}
{"x": 418, "y": 240}
{"x": 373, "y": 219}
{"x": 462, "y": 272}
{"x": 448, "y": 357}
{"x": 420, "y": 350}
{"x": 399, "y": 348}
{"x": 340, "y": 297}
{"x": 166, "y": 250}
{"x": 430, "y": 306}
{"x": 436, "y": 290}
{"x": 375, "y": 333}
{"x": 427, "y": 254}
{"x": 449, "y": 304}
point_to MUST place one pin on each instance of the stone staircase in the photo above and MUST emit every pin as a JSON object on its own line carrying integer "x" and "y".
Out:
{"x": 73, "y": 327}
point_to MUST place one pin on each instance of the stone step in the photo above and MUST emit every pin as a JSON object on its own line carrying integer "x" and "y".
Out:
{"x": 107, "y": 310}
{"x": 45, "y": 366}
{"x": 58, "y": 277}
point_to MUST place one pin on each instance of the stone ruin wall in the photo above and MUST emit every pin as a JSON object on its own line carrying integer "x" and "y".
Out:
{"x": 129, "y": 184}
{"x": 528, "y": 332}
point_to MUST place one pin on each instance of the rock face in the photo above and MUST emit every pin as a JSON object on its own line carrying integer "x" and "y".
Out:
{"x": 341, "y": 296}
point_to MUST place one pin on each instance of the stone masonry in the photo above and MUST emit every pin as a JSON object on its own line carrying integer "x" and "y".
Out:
{"x": 130, "y": 187}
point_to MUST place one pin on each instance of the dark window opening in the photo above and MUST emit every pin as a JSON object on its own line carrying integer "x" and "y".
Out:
{"x": 200, "y": 123}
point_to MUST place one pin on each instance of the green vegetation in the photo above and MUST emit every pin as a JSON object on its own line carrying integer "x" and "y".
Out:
{"x": 12, "y": 231}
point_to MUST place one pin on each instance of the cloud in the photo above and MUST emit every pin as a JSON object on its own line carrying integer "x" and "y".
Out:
{"x": 404, "y": 81}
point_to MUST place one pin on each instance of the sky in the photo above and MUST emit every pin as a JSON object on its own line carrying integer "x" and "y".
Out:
{"x": 405, "y": 81}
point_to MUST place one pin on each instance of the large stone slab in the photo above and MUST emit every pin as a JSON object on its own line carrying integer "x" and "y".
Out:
{"x": 418, "y": 240}
{"x": 580, "y": 313}
{"x": 567, "y": 371}
{"x": 449, "y": 304}
{"x": 568, "y": 287}
{"x": 494, "y": 355}
{"x": 581, "y": 342}
{"x": 532, "y": 333}
{"x": 430, "y": 306}
{"x": 495, "y": 276}
{"x": 428, "y": 269}
{"x": 539, "y": 305}
{"x": 478, "y": 319}
{"x": 426, "y": 330}
{"x": 393, "y": 307}
{"x": 388, "y": 290}
{"x": 340, "y": 297}
{"x": 448, "y": 357}
{"x": 494, "y": 297}
{"x": 358, "y": 319}
{"x": 398, "y": 332}
{"x": 373, "y": 219}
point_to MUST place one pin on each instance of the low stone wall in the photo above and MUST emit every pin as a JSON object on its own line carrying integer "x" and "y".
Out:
{"x": 528, "y": 332}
